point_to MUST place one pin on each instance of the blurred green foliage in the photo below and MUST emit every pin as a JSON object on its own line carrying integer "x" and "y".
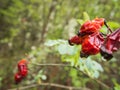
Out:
{"x": 26, "y": 24}
{"x": 71, "y": 54}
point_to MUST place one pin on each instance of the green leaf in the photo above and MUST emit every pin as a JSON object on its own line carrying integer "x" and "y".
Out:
{"x": 96, "y": 74}
{"x": 104, "y": 30}
{"x": 80, "y": 21}
{"x": 117, "y": 86}
{"x": 73, "y": 73}
{"x": 86, "y": 16}
{"x": 92, "y": 68}
{"x": 66, "y": 49}
{"x": 55, "y": 42}
{"x": 113, "y": 25}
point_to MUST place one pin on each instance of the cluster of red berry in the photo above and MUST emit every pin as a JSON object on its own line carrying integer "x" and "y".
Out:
{"x": 93, "y": 41}
{"x": 22, "y": 71}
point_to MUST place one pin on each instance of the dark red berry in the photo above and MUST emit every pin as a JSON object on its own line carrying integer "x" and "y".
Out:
{"x": 18, "y": 78}
{"x": 112, "y": 44}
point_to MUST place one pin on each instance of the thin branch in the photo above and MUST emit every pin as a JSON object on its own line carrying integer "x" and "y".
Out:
{"x": 67, "y": 65}
{"x": 63, "y": 86}
{"x": 46, "y": 21}
{"x": 104, "y": 85}
{"x": 51, "y": 64}
{"x": 107, "y": 26}
{"x": 52, "y": 85}
{"x": 98, "y": 81}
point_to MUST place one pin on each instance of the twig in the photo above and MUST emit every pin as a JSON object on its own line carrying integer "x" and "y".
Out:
{"x": 51, "y": 64}
{"x": 107, "y": 26}
{"x": 98, "y": 81}
{"x": 104, "y": 85}
{"x": 52, "y": 85}
{"x": 46, "y": 20}
{"x": 63, "y": 86}
{"x": 67, "y": 65}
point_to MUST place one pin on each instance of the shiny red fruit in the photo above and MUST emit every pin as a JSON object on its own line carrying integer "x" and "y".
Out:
{"x": 22, "y": 67}
{"x": 91, "y": 27}
{"x": 92, "y": 44}
{"x": 75, "y": 40}
{"x": 18, "y": 78}
{"x": 99, "y": 21}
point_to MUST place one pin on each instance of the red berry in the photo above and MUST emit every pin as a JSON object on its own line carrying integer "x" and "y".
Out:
{"x": 22, "y": 67}
{"x": 75, "y": 40}
{"x": 91, "y": 44}
{"x": 22, "y": 71}
{"x": 18, "y": 78}
{"x": 99, "y": 21}
{"x": 91, "y": 27}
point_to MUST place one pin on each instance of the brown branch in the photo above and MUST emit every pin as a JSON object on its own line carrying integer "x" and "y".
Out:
{"x": 104, "y": 85}
{"x": 67, "y": 65}
{"x": 63, "y": 86}
{"x": 52, "y": 85}
{"x": 51, "y": 64}
{"x": 98, "y": 81}
{"x": 46, "y": 21}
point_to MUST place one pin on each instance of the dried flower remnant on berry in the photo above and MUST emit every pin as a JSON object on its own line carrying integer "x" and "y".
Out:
{"x": 112, "y": 44}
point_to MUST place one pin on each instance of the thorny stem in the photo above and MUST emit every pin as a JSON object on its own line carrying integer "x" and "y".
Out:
{"x": 107, "y": 26}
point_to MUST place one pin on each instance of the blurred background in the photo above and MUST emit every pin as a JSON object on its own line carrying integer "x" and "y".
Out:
{"x": 25, "y": 25}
